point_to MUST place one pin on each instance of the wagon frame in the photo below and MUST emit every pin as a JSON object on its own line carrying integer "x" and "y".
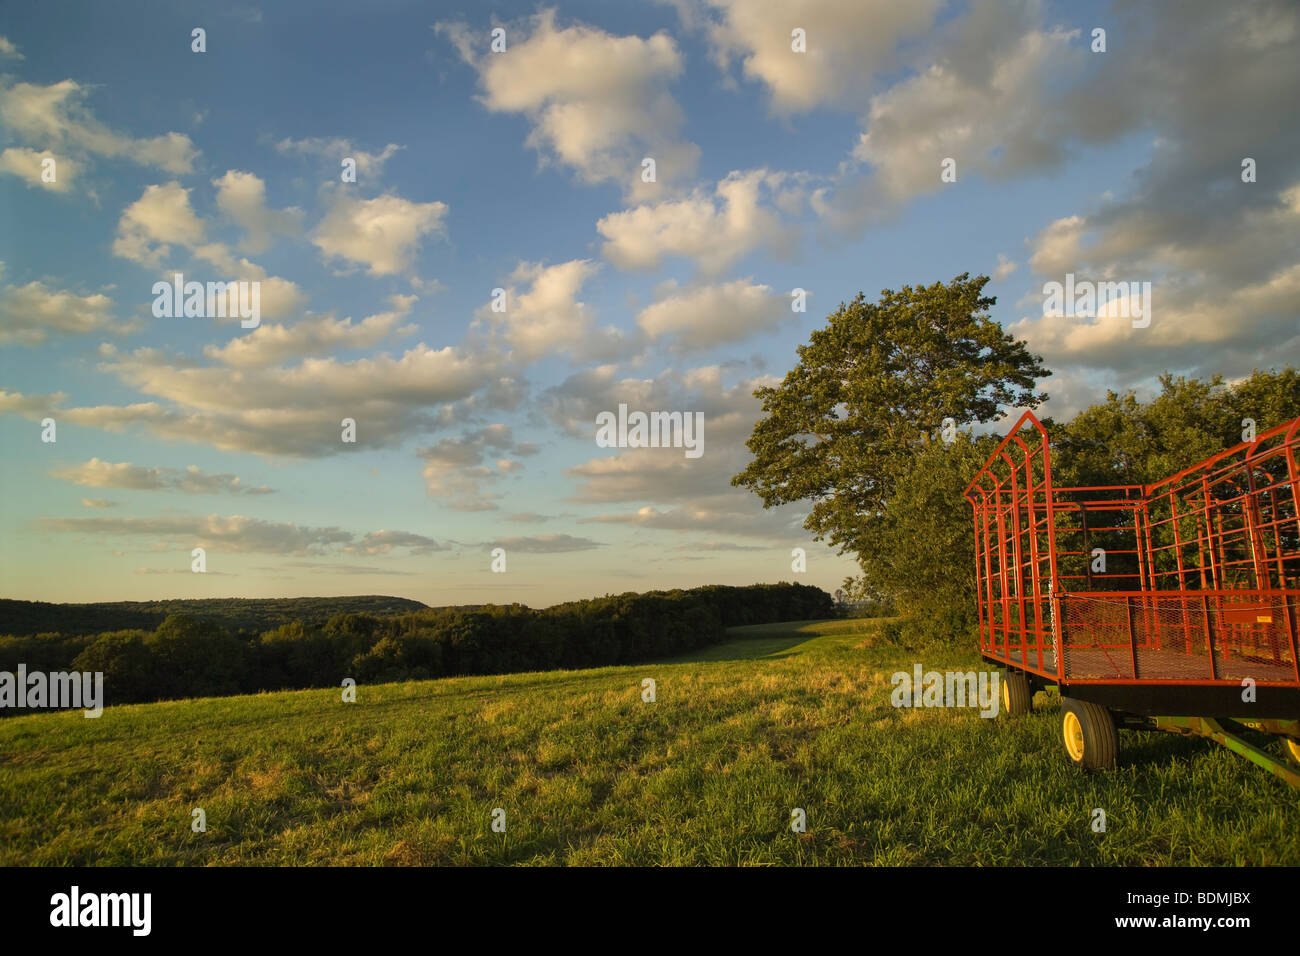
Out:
{"x": 1169, "y": 606}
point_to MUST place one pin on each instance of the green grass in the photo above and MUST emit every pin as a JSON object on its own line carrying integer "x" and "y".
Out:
{"x": 783, "y": 716}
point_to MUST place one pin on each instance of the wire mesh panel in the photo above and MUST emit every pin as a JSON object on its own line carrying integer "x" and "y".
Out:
{"x": 1194, "y": 579}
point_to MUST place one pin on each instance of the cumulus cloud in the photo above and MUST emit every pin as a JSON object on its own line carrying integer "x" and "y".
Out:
{"x": 290, "y": 411}
{"x": 332, "y": 152}
{"x": 192, "y": 480}
{"x": 381, "y": 234}
{"x": 163, "y": 217}
{"x": 242, "y": 197}
{"x": 1003, "y": 269}
{"x": 711, "y": 315}
{"x": 55, "y": 117}
{"x": 456, "y": 470}
{"x": 30, "y": 313}
{"x": 598, "y": 103}
{"x": 1223, "y": 298}
{"x": 26, "y": 164}
{"x": 699, "y": 490}
{"x": 383, "y": 542}
{"x": 913, "y": 126}
{"x": 847, "y": 41}
{"x": 713, "y": 230}
{"x": 8, "y": 50}
{"x": 997, "y": 90}
{"x": 544, "y": 315}
{"x": 271, "y": 344}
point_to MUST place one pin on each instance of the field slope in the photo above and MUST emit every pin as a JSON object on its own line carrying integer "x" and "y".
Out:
{"x": 783, "y": 716}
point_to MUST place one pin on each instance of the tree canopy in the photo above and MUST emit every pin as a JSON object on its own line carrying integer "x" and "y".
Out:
{"x": 874, "y": 384}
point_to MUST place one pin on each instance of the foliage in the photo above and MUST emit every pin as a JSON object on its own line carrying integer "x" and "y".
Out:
{"x": 190, "y": 656}
{"x": 873, "y": 386}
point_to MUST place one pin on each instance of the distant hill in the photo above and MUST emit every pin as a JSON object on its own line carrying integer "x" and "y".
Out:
{"x": 21, "y": 618}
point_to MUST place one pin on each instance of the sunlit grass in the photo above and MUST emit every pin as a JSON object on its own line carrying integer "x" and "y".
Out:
{"x": 783, "y": 716}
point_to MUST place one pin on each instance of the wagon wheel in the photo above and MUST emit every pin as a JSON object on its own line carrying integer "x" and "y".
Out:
{"x": 1017, "y": 697}
{"x": 1091, "y": 740}
{"x": 1291, "y": 746}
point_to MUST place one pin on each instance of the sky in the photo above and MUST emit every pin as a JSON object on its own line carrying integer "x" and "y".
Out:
{"x": 796, "y": 146}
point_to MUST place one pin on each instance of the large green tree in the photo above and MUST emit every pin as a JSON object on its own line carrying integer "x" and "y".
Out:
{"x": 870, "y": 388}
{"x": 1122, "y": 441}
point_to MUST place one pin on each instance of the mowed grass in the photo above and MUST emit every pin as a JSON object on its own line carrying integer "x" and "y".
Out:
{"x": 783, "y": 716}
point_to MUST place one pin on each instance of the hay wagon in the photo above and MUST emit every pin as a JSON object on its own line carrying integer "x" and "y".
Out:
{"x": 1169, "y": 606}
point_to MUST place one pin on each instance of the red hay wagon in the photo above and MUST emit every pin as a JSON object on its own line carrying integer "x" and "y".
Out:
{"x": 1170, "y": 606}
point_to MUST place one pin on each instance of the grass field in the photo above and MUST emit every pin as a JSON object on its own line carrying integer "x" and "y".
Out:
{"x": 783, "y": 716}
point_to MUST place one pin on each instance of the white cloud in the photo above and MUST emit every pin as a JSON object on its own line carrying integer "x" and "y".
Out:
{"x": 1003, "y": 269}
{"x": 598, "y": 103}
{"x": 106, "y": 474}
{"x": 163, "y": 217}
{"x": 1223, "y": 298}
{"x": 26, "y": 165}
{"x": 271, "y": 344}
{"x": 8, "y": 50}
{"x": 150, "y": 225}
{"x": 370, "y": 165}
{"x": 999, "y": 121}
{"x": 291, "y": 411}
{"x": 454, "y": 469}
{"x": 381, "y": 233}
{"x": 847, "y": 41}
{"x": 29, "y": 313}
{"x": 383, "y": 542}
{"x": 242, "y": 197}
{"x": 702, "y": 317}
{"x": 698, "y": 490}
{"x": 714, "y": 231}
{"x": 55, "y": 116}
{"x": 225, "y": 534}
{"x": 546, "y": 317}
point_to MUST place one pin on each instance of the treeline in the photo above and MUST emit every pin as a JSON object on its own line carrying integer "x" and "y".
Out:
{"x": 235, "y": 614}
{"x": 919, "y": 552}
{"x": 188, "y": 656}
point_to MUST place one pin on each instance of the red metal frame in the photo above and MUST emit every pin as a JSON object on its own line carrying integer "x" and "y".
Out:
{"x": 1201, "y": 579}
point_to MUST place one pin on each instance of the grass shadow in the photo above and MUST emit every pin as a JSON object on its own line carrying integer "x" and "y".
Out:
{"x": 744, "y": 649}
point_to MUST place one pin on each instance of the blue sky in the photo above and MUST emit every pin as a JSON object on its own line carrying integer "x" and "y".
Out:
{"x": 521, "y": 170}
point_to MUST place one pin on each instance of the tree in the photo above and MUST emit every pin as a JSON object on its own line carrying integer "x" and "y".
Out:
{"x": 1122, "y": 441}
{"x": 921, "y": 549}
{"x": 873, "y": 386}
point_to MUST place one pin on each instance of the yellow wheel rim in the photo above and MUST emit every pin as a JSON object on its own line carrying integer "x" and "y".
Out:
{"x": 1006, "y": 697}
{"x": 1293, "y": 748}
{"x": 1073, "y": 736}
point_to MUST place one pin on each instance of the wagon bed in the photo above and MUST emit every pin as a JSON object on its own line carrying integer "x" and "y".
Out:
{"x": 1168, "y": 598}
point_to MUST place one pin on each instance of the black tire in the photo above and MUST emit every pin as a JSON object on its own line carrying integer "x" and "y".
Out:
{"x": 1017, "y": 695}
{"x": 1091, "y": 740}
